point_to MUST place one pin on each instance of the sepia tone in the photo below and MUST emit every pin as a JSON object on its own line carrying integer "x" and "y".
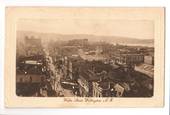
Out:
{"x": 84, "y": 65}
{"x": 99, "y": 59}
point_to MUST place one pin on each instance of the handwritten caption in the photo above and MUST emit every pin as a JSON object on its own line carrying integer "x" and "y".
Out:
{"x": 86, "y": 99}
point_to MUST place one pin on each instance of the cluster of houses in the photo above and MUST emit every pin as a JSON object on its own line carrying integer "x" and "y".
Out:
{"x": 127, "y": 72}
{"x": 99, "y": 79}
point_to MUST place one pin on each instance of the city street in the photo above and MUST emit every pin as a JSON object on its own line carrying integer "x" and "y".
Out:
{"x": 57, "y": 86}
{"x": 79, "y": 67}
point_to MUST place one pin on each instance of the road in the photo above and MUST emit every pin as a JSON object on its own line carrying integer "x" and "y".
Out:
{"x": 57, "y": 86}
{"x": 68, "y": 93}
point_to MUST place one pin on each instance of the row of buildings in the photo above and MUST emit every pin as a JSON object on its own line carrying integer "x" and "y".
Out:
{"x": 97, "y": 79}
{"x": 126, "y": 71}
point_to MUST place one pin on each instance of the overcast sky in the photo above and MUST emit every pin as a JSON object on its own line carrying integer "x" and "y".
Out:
{"x": 141, "y": 29}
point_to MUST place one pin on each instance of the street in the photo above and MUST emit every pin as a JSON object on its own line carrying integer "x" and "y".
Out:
{"x": 57, "y": 86}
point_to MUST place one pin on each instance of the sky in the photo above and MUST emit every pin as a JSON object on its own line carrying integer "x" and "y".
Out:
{"x": 139, "y": 29}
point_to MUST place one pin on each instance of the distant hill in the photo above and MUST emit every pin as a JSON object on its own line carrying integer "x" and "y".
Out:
{"x": 92, "y": 38}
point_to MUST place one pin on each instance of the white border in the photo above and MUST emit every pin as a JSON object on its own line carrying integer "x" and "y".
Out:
{"x": 116, "y": 3}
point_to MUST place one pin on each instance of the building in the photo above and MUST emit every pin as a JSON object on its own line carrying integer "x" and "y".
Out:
{"x": 33, "y": 46}
{"x": 102, "y": 89}
{"x": 149, "y": 60}
{"x": 122, "y": 89}
{"x": 146, "y": 69}
{"x": 29, "y": 76}
{"x": 70, "y": 67}
{"x": 78, "y": 42}
{"x": 115, "y": 83}
{"x": 85, "y": 80}
{"x": 68, "y": 50}
{"x": 129, "y": 59}
{"x": 119, "y": 90}
{"x": 93, "y": 55}
{"x": 74, "y": 62}
{"x": 94, "y": 79}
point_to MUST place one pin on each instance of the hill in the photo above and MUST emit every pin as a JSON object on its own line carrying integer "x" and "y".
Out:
{"x": 92, "y": 38}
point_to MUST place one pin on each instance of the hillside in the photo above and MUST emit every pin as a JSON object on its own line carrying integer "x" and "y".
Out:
{"x": 92, "y": 38}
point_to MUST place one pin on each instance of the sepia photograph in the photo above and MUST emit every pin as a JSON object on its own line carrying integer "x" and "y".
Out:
{"x": 91, "y": 58}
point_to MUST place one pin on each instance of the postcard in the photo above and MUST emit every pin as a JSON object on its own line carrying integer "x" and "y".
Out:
{"x": 84, "y": 57}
